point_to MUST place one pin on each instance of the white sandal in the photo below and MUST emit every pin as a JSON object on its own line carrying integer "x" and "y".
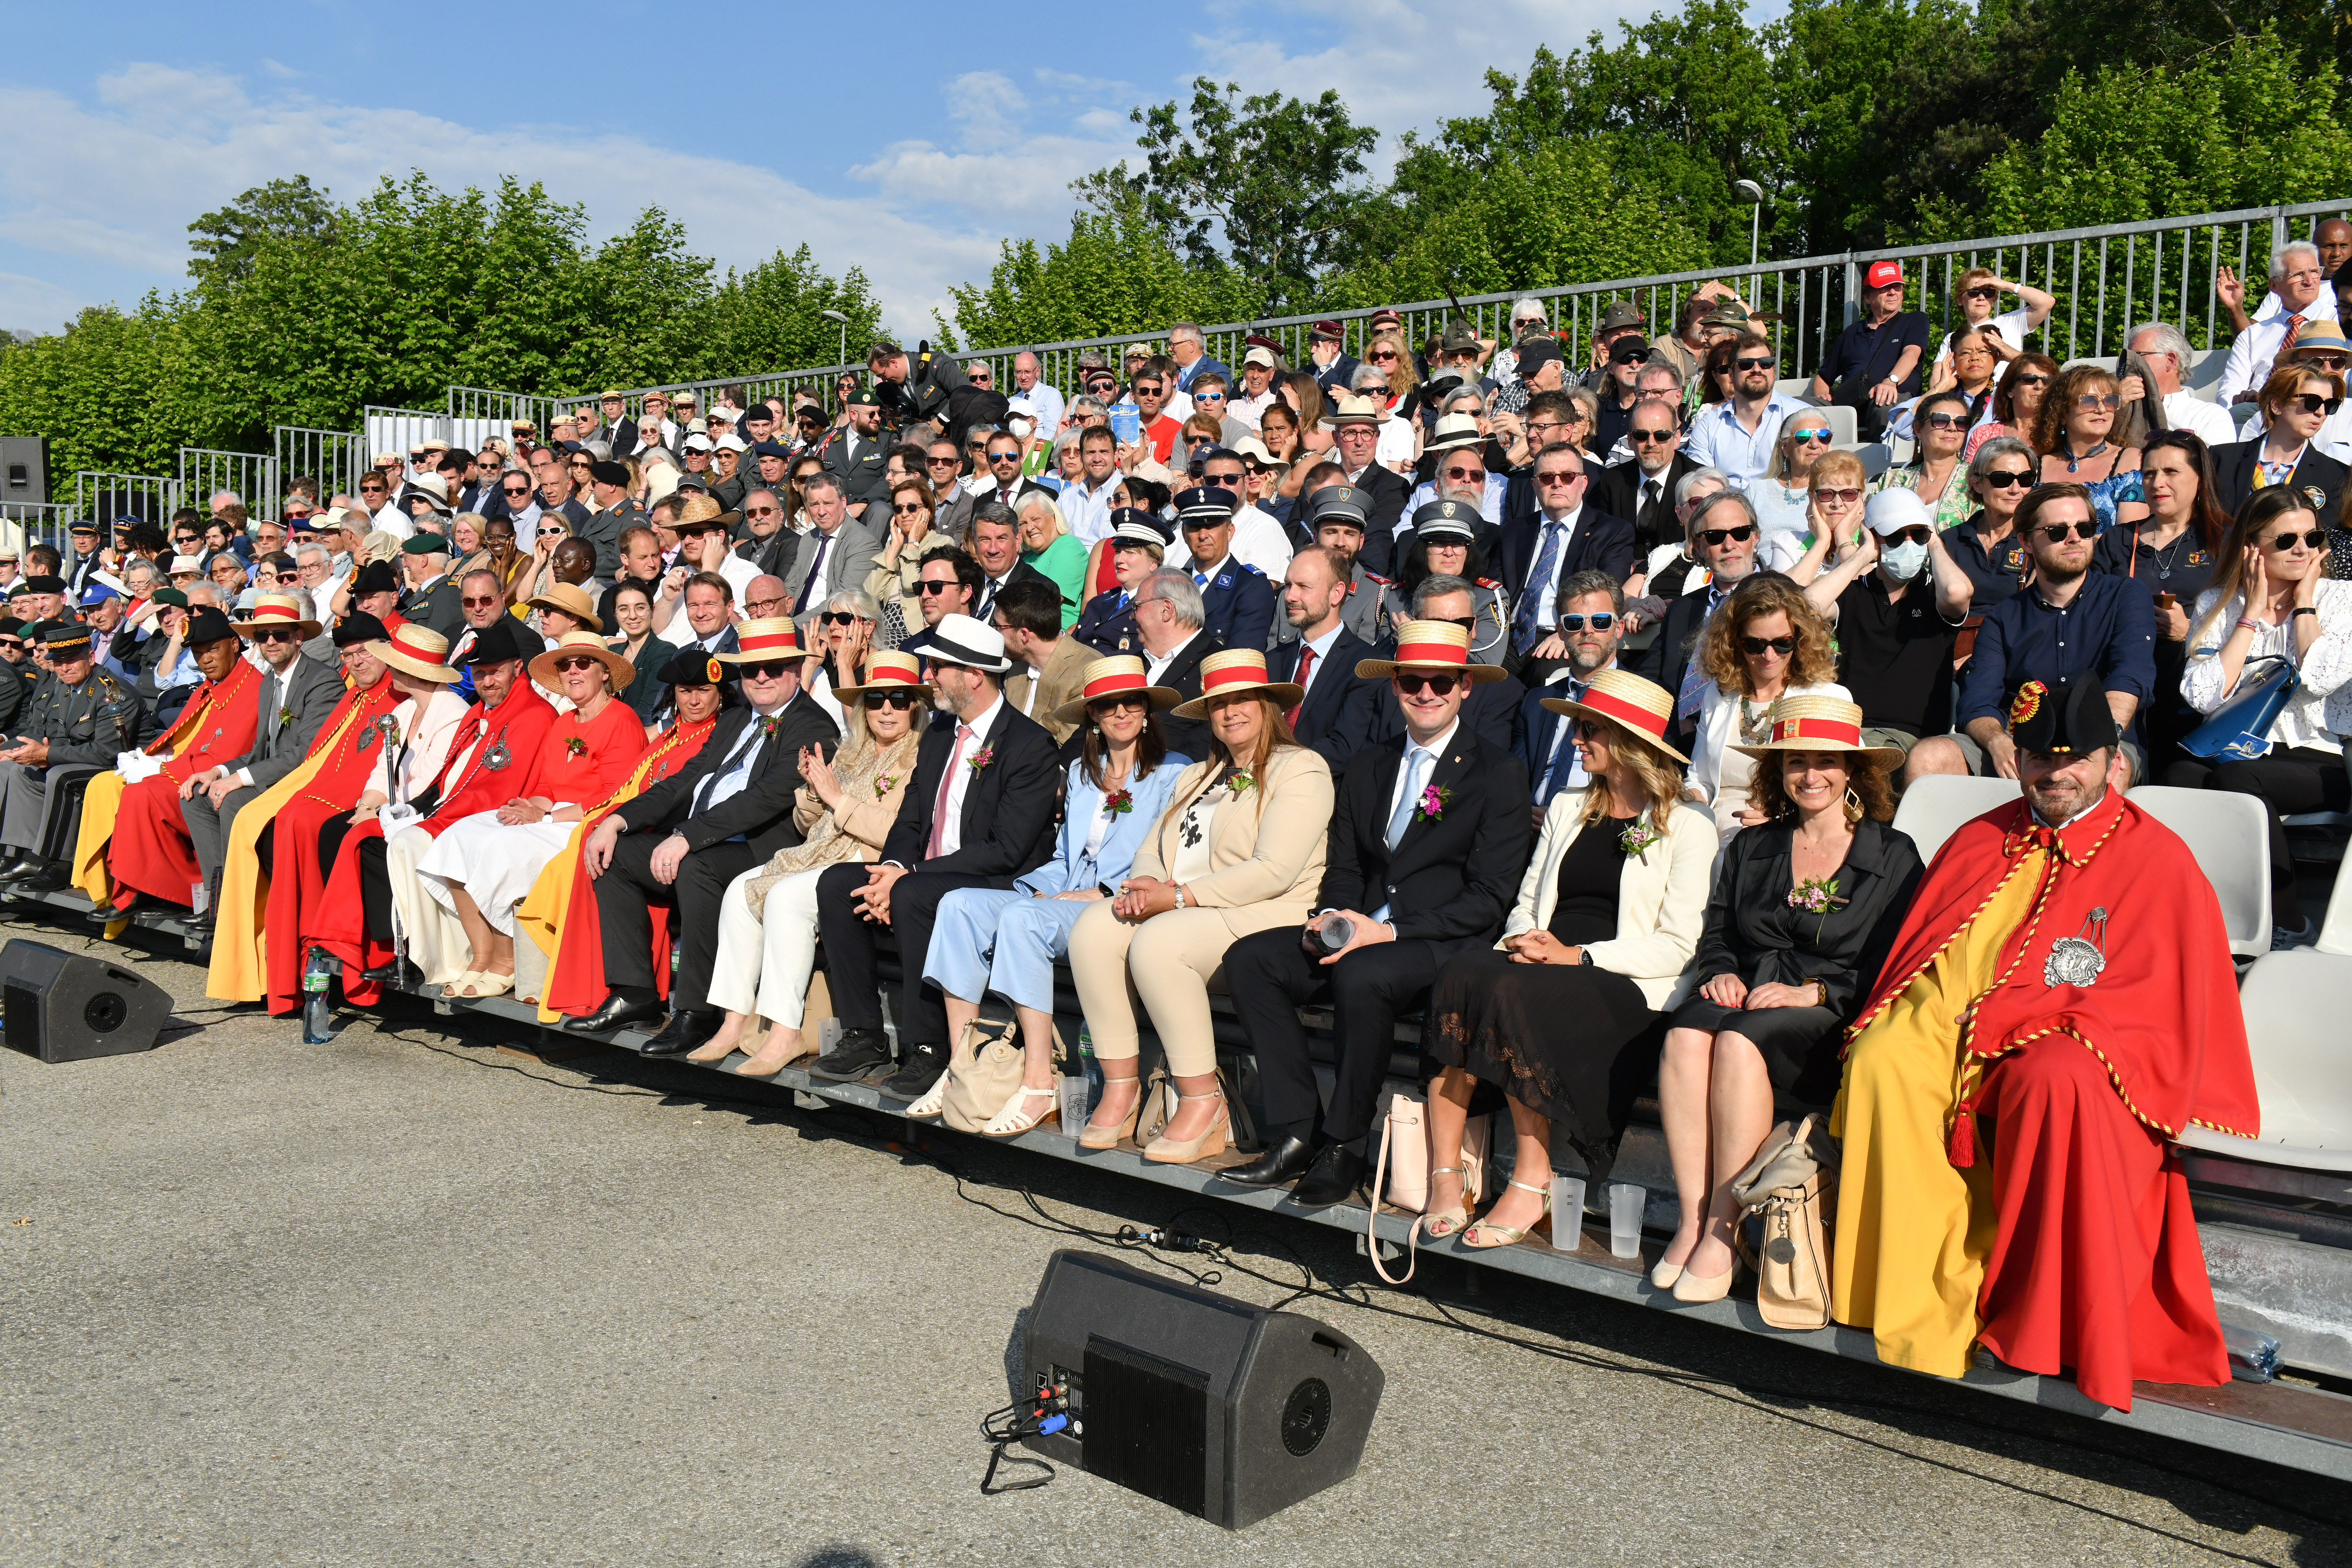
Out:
{"x": 930, "y": 1104}
{"x": 1015, "y": 1119}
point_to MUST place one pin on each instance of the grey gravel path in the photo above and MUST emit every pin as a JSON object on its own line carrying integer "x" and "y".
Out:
{"x": 413, "y": 1299}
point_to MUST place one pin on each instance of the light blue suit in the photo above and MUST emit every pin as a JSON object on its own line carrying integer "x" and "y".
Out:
{"x": 1007, "y": 941}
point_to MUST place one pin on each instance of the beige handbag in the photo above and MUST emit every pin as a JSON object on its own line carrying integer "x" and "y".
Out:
{"x": 983, "y": 1073}
{"x": 1402, "y": 1166}
{"x": 1792, "y": 1188}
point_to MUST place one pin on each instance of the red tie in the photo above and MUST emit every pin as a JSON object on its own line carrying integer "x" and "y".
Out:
{"x": 1305, "y": 667}
{"x": 2286, "y": 344}
{"x": 947, "y": 782}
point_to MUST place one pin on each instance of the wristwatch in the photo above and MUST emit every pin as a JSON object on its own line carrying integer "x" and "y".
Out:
{"x": 1179, "y": 895}
{"x": 1584, "y": 955}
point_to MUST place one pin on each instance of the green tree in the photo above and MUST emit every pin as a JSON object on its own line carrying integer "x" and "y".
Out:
{"x": 1117, "y": 273}
{"x": 225, "y": 240}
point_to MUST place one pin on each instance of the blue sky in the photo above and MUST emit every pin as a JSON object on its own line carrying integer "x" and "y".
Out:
{"x": 905, "y": 140}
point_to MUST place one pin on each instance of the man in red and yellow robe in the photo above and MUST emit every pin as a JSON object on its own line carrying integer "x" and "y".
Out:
{"x": 2059, "y": 1005}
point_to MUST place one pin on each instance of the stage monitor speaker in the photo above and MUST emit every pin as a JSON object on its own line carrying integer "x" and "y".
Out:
{"x": 63, "y": 1007}
{"x": 1220, "y": 1409}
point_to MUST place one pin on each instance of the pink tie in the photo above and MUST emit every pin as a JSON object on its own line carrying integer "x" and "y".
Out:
{"x": 946, "y": 783}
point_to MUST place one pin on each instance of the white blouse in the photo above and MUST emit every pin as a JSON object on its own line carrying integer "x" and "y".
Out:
{"x": 427, "y": 737}
{"x": 2320, "y": 711}
{"x": 1196, "y": 837}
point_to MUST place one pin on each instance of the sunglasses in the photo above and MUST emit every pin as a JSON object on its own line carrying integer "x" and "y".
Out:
{"x": 1146, "y": 389}
{"x": 2312, "y": 403}
{"x": 576, "y": 662}
{"x": 515, "y": 491}
{"x": 1984, "y": 291}
{"x": 762, "y": 512}
{"x": 877, "y": 701}
{"x": 1558, "y": 477}
{"x": 1443, "y": 685}
{"x": 2059, "y": 532}
{"x": 1666, "y": 437}
{"x": 2093, "y": 401}
{"x": 1588, "y": 729}
{"x": 2324, "y": 361}
{"x": 949, "y": 461}
{"x": 278, "y": 634}
{"x": 1207, "y": 397}
{"x": 473, "y": 603}
{"x": 1752, "y": 363}
{"x": 1811, "y": 438}
{"x": 2033, "y": 379}
{"x": 1382, "y": 355}
{"x": 1465, "y": 473}
{"x": 1944, "y": 421}
{"x": 1784, "y": 647}
{"x": 767, "y": 669}
{"x": 2316, "y": 539}
{"x": 2009, "y": 479}
{"x": 1913, "y": 535}
{"x": 1845, "y": 497}
{"x": 926, "y": 588}
{"x": 1713, "y": 536}
{"x": 1600, "y": 622}
{"x": 1117, "y": 701}
{"x": 908, "y": 508}
{"x": 550, "y": 533}
{"x": 838, "y": 618}
{"x": 1008, "y": 454}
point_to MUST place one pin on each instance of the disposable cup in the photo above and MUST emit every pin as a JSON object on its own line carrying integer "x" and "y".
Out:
{"x": 1625, "y": 1201}
{"x": 1078, "y": 1102}
{"x": 1566, "y": 1212}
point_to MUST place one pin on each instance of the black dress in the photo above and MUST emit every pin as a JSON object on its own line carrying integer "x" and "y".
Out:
{"x": 1557, "y": 1038}
{"x": 1753, "y": 932}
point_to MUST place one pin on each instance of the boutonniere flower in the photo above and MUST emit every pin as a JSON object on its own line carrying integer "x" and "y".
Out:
{"x": 575, "y": 746}
{"x": 285, "y": 715}
{"x": 980, "y": 758}
{"x": 771, "y": 724}
{"x": 1433, "y": 802}
{"x": 1239, "y": 783}
{"x": 1816, "y": 896}
{"x": 1638, "y": 835}
{"x": 882, "y": 782}
{"x": 1119, "y": 802}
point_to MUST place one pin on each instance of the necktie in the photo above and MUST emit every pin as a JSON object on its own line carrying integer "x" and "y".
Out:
{"x": 816, "y": 574}
{"x": 273, "y": 697}
{"x": 1528, "y": 629}
{"x": 1200, "y": 578}
{"x": 702, "y": 792}
{"x": 1305, "y": 667}
{"x": 2294, "y": 330}
{"x": 1416, "y": 771}
{"x": 1694, "y": 676}
{"x": 946, "y": 783}
{"x": 1559, "y": 768}
{"x": 1651, "y": 490}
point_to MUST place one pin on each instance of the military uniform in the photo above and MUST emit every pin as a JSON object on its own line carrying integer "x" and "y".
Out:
{"x": 438, "y": 608}
{"x": 86, "y": 726}
{"x": 1107, "y": 623}
{"x": 1373, "y": 606}
{"x": 854, "y": 461}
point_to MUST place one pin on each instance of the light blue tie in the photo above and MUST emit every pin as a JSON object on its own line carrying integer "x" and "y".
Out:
{"x": 1529, "y": 630}
{"x": 1417, "y": 773}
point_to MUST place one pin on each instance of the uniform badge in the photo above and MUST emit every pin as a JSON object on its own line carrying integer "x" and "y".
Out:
{"x": 367, "y": 738}
{"x": 2078, "y": 960}
{"x": 497, "y": 757}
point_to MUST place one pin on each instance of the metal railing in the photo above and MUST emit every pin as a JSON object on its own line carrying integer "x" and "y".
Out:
{"x": 24, "y": 523}
{"x": 151, "y": 498}
{"x": 335, "y": 458}
{"x": 251, "y": 477}
{"x": 2104, "y": 279}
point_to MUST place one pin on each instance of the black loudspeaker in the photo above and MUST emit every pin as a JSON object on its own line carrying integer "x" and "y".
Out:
{"x": 63, "y": 1007}
{"x": 1223, "y": 1410}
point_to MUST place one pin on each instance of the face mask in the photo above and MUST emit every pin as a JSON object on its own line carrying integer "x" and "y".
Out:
{"x": 1902, "y": 561}
{"x": 1021, "y": 427}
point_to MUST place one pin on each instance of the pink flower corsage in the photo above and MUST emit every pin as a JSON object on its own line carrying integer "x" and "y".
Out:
{"x": 1433, "y": 802}
{"x": 980, "y": 758}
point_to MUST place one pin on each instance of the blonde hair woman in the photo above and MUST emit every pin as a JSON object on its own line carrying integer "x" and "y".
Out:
{"x": 1047, "y": 544}
{"x": 1608, "y": 917}
{"x": 1239, "y": 849}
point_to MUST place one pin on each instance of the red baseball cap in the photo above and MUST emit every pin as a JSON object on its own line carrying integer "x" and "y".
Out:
{"x": 1883, "y": 273}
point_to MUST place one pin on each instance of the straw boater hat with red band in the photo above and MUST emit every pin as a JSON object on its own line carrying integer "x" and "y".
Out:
{"x": 1641, "y": 708}
{"x": 572, "y": 643}
{"x": 414, "y": 649}
{"x": 1234, "y": 672}
{"x": 1115, "y": 677}
{"x": 760, "y": 641}
{"x": 1439, "y": 646}
{"x": 1818, "y": 724}
{"x": 274, "y": 611}
{"x": 888, "y": 671}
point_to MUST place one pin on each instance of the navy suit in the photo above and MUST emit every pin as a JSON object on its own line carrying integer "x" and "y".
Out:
{"x": 1238, "y": 605}
{"x": 1663, "y": 662}
{"x": 1600, "y": 543}
{"x": 1337, "y": 718}
{"x": 1492, "y": 710}
{"x": 1107, "y": 623}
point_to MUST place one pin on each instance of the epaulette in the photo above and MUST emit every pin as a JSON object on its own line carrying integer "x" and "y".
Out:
{"x": 1488, "y": 583}
{"x": 1383, "y": 581}
{"x": 1250, "y": 568}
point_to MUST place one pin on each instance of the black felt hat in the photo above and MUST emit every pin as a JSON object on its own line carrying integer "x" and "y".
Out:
{"x": 2074, "y": 718}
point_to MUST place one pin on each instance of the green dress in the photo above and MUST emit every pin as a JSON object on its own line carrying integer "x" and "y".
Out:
{"x": 1065, "y": 561}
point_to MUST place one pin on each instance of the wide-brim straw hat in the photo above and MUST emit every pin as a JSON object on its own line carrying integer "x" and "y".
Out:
{"x": 888, "y": 671}
{"x": 1642, "y": 709}
{"x": 1437, "y": 645}
{"x": 273, "y": 612}
{"x": 570, "y": 599}
{"x": 1818, "y": 724}
{"x": 768, "y": 637}
{"x": 1236, "y": 671}
{"x": 416, "y": 650}
{"x": 1115, "y": 677}
{"x": 543, "y": 668}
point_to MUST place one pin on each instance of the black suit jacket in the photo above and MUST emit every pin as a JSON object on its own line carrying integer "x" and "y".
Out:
{"x": 1492, "y": 710}
{"x": 1753, "y": 933}
{"x": 1669, "y": 654}
{"x": 1022, "y": 573}
{"x": 1008, "y": 807}
{"x": 1602, "y": 543}
{"x": 1452, "y": 877}
{"x": 1618, "y": 493}
{"x": 1337, "y": 719}
{"x": 761, "y": 811}
{"x": 2233, "y": 476}
{"x": 1385, "y": 494}
{"x": 1182, "y": 676}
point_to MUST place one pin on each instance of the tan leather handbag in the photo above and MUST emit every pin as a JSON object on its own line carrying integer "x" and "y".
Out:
{"x": 1792, "y": 1188}
{"x": 984, "y": 1072}
{"x": 1402, "y": 1166}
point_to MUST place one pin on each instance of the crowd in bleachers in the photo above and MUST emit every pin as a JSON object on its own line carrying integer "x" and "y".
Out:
{"x": 1564, "y": 711}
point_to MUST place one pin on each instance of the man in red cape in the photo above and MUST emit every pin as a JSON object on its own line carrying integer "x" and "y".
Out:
{"x": 500, "y": 737}
{"x": 2063, "y": 976}
{"x": 150, "y": 857}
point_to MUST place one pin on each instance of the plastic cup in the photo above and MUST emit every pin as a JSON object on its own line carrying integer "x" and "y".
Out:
{"x": 828, "y": 1035}
{"x": 1566, "y": 1212}
{"x": 1078, "y": 1102}
{"x": 1625, "y": 1202}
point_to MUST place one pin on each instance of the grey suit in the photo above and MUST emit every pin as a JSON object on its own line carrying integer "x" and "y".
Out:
{"x": 848, "y": 559}
{"x": 294, "y": 708}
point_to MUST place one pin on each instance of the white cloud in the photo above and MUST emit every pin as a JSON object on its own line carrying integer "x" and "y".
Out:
{"x": 1016, "y": 151}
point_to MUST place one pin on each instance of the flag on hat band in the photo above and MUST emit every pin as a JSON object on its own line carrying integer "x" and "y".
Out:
{"x": 1433, "y": 642}
{"x": 1109, "y": 677}
{"x": 1816, "y": 727}
{"x": 1235, "y": 667}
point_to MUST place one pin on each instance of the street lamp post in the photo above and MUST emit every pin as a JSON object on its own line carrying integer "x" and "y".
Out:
{"x": 1753, "y": 193}
{"x": 838, "y": 316}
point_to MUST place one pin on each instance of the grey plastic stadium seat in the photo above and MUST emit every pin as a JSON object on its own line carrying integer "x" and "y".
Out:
{"x": 1933, "y": 809}
{"x": 2303, "y": 1063}
{"x": 2229, "y": 835}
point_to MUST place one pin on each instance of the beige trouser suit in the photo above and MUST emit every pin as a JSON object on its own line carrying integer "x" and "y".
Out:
{"x": 1265, "y": 870}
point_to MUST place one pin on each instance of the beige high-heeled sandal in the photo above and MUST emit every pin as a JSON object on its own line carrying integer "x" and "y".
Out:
{"x": 1165, "y": 1151}
{"x": 932, "y": 1103}
{"x": 1445, "y": 1221}
{"x": 1016, "y": 1117}
{"x": 1486, "y": 1234}
{"x": 1097, "y": 1135}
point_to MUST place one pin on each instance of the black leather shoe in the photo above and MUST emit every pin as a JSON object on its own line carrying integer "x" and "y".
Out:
{"x": 683, "y": 1033}
{"x": 17, "y": 865}
{"x": 1338, "y": 1170}
{"x": 623, "y": 1006}
{"x": 107, "y": 914}
{"x": 919, "y": 1069}
{"x": 51, "y": 876}
{"x": 400, "y": 974}
{"x": 1284, "y": 1159}
{"x": 858, "y": 1052}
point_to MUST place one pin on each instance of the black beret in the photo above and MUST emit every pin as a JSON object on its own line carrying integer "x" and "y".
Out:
{"x": 205, "y": 625}
{"x": 375, "y": 577}
{"x": 358, "y": 628}
{"x": 44, "y": 583}
{"x": 609, "y": 473}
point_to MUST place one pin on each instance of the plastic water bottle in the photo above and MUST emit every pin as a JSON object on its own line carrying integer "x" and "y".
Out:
{"x": 1087, "y": 1065}
{"x": 315, "y": 973}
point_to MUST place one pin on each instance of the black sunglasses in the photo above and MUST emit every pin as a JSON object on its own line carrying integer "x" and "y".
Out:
{"x": 928, "y": 588}
{"x": 1600, "y": 622}
{"x": 1718, "y": 535}
{"x": 2312, "y": 403}
{"x": 1913, "y": 535}
{"x": 576, "y": 661}
{"x": 839, "y": 617}
{"x": 1944, "y": 421}
{"x": 2058, "y": 532}
{"x": 2009, "y": 481}
{"x": 1117, "y": 700}
{"x": 877, "y": 701}
{"x": 1784, "y": 647}
{"x": 1652, "y": 437}
{"x": 2316, "y": 539}
{"x": 278, "y": 634}
{"x": 1411, "y": 684}
{"x": 766, "y": 669}
{"x": 1752, "y": 363}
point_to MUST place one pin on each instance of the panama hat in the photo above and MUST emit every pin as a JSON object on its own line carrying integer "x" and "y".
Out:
{"x": 1639, "y": 707}
{"x": 274, "y": 610}
{"x": 1113, "y": 677}
{"x": 571, "y": 644}
{"x": 1431, "y": 645}
{"x": 416, "y": 650}
{"x": 888, "y": 671}
{"x": 572, "y": 599}
{"x": 762, "y": 641}
{"x": 962, "y": 640}
{"x": 1233, "y": 671}
{"x": 1818, "y": 724}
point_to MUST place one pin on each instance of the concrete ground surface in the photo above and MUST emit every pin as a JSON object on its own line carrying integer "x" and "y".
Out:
{"x": 411, "y": 1297}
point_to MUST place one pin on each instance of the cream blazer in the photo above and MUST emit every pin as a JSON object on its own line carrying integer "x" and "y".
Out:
{"x": 1266, "y": 865}
{"x": 1718, "y": 714}
{"x": 429, "y": 736}
{"x": 1661, "y": 897}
